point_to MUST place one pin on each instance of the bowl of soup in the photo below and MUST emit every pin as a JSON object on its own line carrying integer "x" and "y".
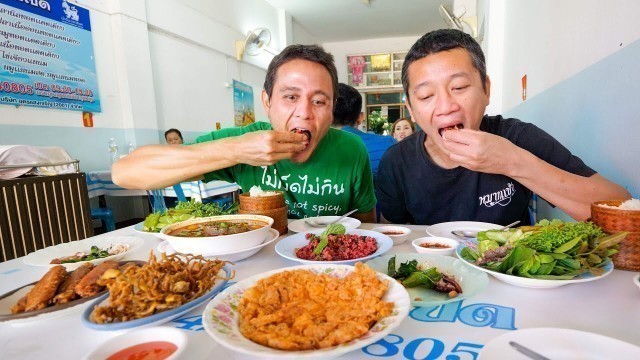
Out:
{"x": 218, "y": 234}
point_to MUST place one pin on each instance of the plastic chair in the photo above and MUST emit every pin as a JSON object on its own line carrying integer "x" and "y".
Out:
{"x": 179, "y": 192}
{"x": 106, "y": 216}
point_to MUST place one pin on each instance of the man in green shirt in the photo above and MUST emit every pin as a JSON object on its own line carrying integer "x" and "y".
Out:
{"x": 322, "y": 171}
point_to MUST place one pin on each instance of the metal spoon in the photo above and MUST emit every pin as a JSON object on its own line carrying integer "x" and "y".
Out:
{"x": 527, "y": 352}
{"x": 472, "y": 234}
{"x": 316, "y": 223}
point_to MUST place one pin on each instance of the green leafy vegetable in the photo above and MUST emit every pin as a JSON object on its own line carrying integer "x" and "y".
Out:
{"x": 185, "y": 210}
{"x": 549, "y": 250}
{"x": 333, "y": 229}
{"x": 411, "y": 276}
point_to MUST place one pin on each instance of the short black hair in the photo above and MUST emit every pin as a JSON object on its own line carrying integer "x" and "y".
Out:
{"x": 443, "y": 40}
{"x": 348, "y": 106}
{"x": 313, "y": 53}
{"x": 173, "y": 130}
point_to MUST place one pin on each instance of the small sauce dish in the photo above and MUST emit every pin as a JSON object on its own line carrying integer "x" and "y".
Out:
{"x": 435, "y": 245}
{"x": 169, "y": 341}
{"x": 398, "y": 234}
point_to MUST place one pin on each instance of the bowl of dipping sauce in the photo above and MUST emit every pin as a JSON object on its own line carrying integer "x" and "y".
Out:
{"x": 435, "y": 245}
{"x": 154, "y": 343}
{"x": 398, "y": 234}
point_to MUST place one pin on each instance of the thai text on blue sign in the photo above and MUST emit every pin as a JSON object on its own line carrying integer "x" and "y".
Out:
{"x": 46, "y": 55}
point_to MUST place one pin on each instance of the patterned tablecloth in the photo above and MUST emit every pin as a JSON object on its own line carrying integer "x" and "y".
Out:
{"x": 99, "y": 183}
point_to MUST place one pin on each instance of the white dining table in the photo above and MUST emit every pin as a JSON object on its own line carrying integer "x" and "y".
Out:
{"x": 454, "y": 331}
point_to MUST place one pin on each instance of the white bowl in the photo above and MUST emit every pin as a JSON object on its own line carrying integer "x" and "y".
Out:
{"x": 397, "y": 239}
{"x": 132, "y": 338}
{"x": 453, "y": 244}
{"x": 221, "y": 243}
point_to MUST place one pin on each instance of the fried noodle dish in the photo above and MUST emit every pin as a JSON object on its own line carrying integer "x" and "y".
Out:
{"x": 139, "y": 291}
{"x": 302, "y": 310}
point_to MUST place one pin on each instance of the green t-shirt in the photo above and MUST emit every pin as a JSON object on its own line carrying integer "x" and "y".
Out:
{"x": 337, "y": 177}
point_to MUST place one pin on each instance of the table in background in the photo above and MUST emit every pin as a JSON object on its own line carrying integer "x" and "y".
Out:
{"x": 456, "y": 330}
{"x": 99, "y": 183}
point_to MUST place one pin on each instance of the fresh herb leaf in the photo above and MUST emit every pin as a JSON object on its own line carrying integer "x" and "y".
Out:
{"x": 333, "y": 229}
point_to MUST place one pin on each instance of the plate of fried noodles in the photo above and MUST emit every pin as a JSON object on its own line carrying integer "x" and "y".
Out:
{"x": 156, "y": 292}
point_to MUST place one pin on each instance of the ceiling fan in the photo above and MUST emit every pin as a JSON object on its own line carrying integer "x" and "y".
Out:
{"x": 255, "y": 43}
{"x": 456, "y": 22}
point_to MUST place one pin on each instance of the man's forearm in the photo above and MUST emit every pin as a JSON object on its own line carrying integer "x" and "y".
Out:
{"x": 159, "y": 166}
{"x": 571, "y": 193}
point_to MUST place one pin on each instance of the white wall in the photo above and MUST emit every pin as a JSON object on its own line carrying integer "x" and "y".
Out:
{"x": 160, "y": 64}
{"x": 581, "y": 60}
{"x": 552, "y": 40}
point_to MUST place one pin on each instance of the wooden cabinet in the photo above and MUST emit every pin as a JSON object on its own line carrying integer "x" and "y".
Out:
{"x": 380, "y": 70}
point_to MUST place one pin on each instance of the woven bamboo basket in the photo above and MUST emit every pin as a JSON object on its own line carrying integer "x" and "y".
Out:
{"x": 278, "y": 215}
{"x": 613, "y": 221}
{"x": 261, "y": 203}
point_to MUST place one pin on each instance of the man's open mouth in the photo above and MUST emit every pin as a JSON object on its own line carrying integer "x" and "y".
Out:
{"x": 452, "y": 127}
{"x": 306, "y": 132}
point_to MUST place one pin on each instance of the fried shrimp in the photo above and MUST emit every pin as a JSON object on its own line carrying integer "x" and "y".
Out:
{"x": 302, "y": 310}
{"x": 139, "y": 291}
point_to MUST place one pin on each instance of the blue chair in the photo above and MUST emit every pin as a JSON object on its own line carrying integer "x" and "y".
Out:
{"x": 106, "y": 216}
{"x": 179, "y": 192}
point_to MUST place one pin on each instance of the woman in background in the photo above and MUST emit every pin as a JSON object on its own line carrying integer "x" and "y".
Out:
{"x": 173, "y": 137}
{"x": 402, "y": 128}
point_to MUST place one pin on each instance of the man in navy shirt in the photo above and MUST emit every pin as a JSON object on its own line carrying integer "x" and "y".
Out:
{"x": 464, "y": 165}
{"x": 347, "y": 115}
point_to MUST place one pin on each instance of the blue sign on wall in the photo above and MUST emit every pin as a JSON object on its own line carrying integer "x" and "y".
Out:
{"x": 46, "y": 55}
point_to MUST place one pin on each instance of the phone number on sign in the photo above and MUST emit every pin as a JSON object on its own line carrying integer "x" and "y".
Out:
{"x": 16, "y": 88}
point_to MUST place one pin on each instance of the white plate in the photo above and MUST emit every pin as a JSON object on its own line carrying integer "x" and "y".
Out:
{"x": 559, "y": 344}
{"x": 230, "y": 256}
{"x": 220, "y": 318}
{"x": 44, "y": 256}
{"x": 444, "y": 229}
{"x": 470, "y": 280}
{"x": 301, "y": 226}
{"x": 537, "y": 283}
{"x": 51, "y": 312}
{"x": 287, "y": 246}
{"x": 155, "y": 319}
{"x": 132, "y": 338}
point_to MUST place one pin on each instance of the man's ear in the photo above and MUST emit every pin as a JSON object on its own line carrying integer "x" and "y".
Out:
{"x": 360, "y": 119}
{"x": 265, "y": 101}
{"x": 487, "y": 89}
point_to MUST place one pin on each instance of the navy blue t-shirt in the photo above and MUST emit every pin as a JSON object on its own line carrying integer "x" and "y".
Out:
{"x": 411, "y": 188}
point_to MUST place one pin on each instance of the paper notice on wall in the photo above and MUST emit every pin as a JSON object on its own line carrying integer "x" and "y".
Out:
{"x": 356, "y": 64}
{"x": 46, "y": 56}
{"x": 384, "y": 111}
{"x": 381, "y": 62}
{"x": 243, "y": 104}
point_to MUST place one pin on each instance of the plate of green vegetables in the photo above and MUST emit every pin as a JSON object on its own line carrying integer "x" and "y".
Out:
{"x": 430, "y": 279}
{"x": 184, "y": 210}
{"x": 549, "y": 254}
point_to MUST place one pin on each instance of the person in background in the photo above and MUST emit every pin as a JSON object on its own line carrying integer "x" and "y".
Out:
{"x": 173, "y": 137}
{"x": 297, "y": 152}
{"x": 347, "y": 115}
{"x": 464, "y": 165}
{"x": 402, "y": 128}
